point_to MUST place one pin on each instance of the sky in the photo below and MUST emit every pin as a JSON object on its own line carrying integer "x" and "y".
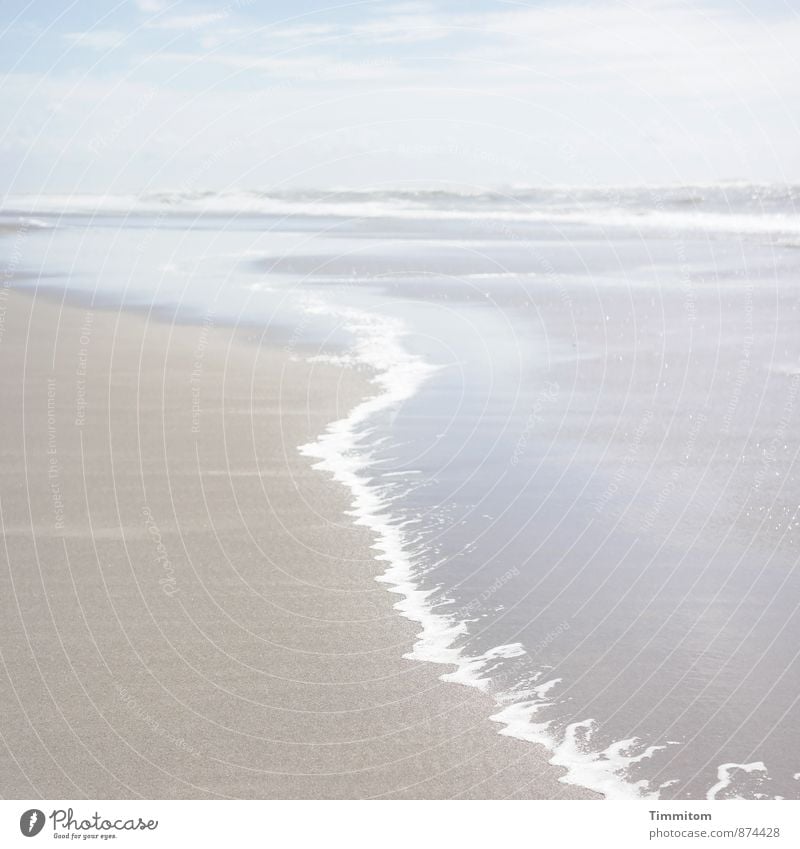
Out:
{"x": 154, "y": 95}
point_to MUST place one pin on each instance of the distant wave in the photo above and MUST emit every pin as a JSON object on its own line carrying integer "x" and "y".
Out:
{"x": 740, "y": 208}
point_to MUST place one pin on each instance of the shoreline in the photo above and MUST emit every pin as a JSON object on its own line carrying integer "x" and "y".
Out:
{"x": 239, "y": 532}
{"x": 400, "y": 375}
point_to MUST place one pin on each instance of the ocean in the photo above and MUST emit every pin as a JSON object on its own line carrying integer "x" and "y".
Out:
{"x": 580, "y": 459}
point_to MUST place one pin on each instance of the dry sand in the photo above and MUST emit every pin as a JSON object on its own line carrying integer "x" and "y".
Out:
{"x": 187, "y": 610}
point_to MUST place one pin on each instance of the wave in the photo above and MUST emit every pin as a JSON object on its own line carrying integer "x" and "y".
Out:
{"x": 523, "y": 694}
{"x": 747, "y": 209}
{"x": 343, "y": 451}
{"x": 725, "y": 773}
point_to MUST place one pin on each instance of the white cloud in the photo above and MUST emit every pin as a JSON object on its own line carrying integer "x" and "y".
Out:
{"x": 662, "y": 48}
{"x": 96, "y": 39}
{"x": 571, "y": 92}
{"x": 320, "y": 69}
{"x": 187, "y": 22}
{"x": 653, "y": 49}
{"x": 150, "y": 6}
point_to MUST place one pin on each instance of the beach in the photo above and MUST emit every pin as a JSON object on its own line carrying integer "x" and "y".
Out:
{"x": 400, "y": 401}
{"x": 188, "y": 610}
{"x": 532, "y": 456}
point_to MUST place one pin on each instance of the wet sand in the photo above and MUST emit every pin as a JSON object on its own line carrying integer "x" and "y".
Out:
{"x": 187, "y": 609}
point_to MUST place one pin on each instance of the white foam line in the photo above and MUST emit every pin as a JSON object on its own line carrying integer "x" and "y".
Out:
{"x": 725, "y": 779}
{"x": 605, "y": 771}
{"x": 232, "y": 203}
{"x": 36, "y": 223}
{"x": 339, "y": 451}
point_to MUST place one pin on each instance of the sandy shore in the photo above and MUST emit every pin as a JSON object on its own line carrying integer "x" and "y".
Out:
{"x": 187, "y": 610}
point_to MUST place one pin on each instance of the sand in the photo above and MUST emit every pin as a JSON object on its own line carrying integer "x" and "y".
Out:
{"x": 187, "y": 609}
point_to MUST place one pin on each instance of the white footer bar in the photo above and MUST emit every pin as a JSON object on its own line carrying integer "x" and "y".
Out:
{"x": 401, "y": 825}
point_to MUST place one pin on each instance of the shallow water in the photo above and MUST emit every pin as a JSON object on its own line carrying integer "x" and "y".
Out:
{"x": 581, "y": 457}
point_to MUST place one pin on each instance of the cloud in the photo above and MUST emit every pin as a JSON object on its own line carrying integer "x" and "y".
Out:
{"x": 323, "y": 69}
{"x": 662, "y": 48}
{"x": 150, "y": 6}
{"x": 572, "y": 90}
{"x": 187, "y": 22}
{"x": 666, "y": 49}
{"x": 96, "y": 39}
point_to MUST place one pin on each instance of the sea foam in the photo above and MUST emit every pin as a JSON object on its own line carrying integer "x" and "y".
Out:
{"x": 343, "y": 451}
